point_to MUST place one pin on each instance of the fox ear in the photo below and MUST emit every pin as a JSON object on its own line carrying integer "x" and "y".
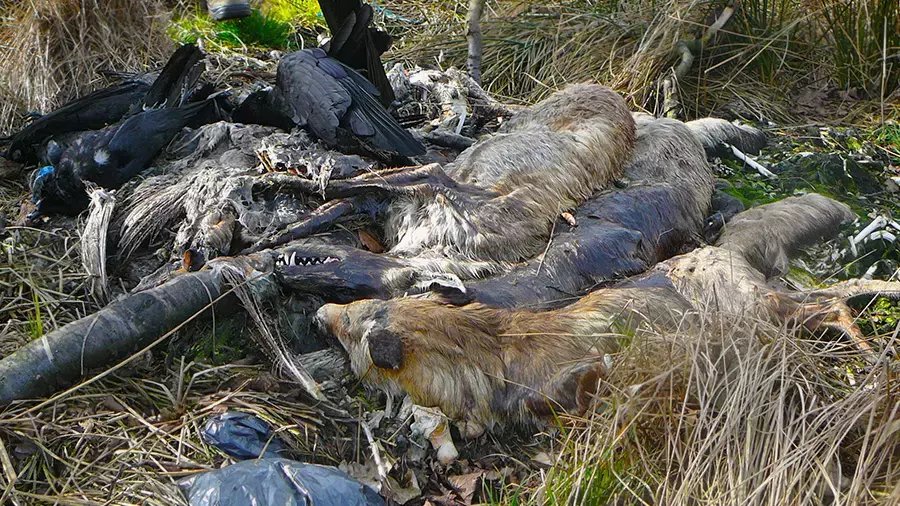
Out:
{"x": 569, "y": 390}
{"x": 385, "y": 347}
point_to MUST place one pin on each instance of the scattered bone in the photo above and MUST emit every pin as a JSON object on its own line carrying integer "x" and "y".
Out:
{"x": 434, "y": 425}
{"x": 753, "y": 163}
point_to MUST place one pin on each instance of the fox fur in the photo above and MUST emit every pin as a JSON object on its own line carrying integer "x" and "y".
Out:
{"x": 618, "y": 233}
{"x": 486, "y": 365}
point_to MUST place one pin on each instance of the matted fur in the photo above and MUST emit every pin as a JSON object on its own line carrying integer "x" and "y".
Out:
{"x": 712, "y": 131}
{"x": 769, "y": 234}
{"x": 486, "y": 365}
{"x": 549, "y": 158}
{"x": 618, "y": 233}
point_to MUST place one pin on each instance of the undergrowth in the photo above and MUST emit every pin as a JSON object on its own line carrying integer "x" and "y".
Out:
{"x": 754, "y": 416}
{"x": 769, "y": 51}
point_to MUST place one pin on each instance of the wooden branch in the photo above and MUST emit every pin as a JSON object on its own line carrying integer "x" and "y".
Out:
{"x": 473, "y": 36}
{"x": 690, "y": 49}
{"x": 61, "y": 357}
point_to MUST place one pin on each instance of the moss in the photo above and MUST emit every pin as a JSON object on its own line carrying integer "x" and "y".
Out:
{"x": 881, "y": 319}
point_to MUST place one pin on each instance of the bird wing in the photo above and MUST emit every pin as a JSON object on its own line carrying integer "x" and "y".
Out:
{"x": 353, "y": 42}
{"x": 368, "y": 118}
{"x": 336, "y": 11}
{"x": 309, "y": 81}
{"x": 329, "y": 95}
{"x": 177, "y": 78}
{"x": 92, "y": 111}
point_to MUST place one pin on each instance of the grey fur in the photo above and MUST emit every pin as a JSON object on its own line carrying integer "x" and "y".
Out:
{"x": 618, "y": 233}
{"x": 768, "y": 235}
{"x": 712, "y": 132}
{"x": 506, "y": 191}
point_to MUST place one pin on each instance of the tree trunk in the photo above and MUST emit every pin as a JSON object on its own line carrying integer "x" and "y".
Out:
{"x": 473, "y": 36}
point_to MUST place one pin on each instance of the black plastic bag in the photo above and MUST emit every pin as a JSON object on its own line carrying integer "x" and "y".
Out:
{"x": 279, "y": 482}
{"x": 242, "y": 436}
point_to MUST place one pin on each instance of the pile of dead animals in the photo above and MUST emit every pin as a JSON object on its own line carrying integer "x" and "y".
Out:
{"x": 487, "y": 278}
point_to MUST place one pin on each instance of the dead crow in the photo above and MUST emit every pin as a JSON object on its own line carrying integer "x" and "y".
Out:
{"x": 111, "y": 156}
{"x": 170, "y": 87}
{"x": 357, "y": 44}
{"x": 340, "y": 106}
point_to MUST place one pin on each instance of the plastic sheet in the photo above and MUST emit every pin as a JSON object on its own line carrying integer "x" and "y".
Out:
{"x": 242, "y": 436}
{"x": 279, "y": 482}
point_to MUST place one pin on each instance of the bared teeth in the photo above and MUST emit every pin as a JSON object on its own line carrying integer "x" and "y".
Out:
{"x": 293, "y": 260}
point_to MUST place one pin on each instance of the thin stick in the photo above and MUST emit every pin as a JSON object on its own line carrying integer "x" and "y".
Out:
{"x": 549, "y": 242}
{"x": 473, "y": 36}
{"x": 382, "y": 472}
{"x": 751, "y": 162}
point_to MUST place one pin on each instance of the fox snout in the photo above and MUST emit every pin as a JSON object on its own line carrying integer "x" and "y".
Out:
{"x": 325, "y": 318}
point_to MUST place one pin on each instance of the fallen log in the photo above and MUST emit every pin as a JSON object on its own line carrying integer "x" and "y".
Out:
{"x": 63, "y": 356}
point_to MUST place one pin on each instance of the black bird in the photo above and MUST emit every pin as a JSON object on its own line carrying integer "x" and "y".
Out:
{"x": 90, "y": 112}
{"x": 169, "y": 87}
{"x": 111, "y": 156}
{"x": 340, "y": 106}
{"x": 264, "y": 107}
{"x": 357, "y": 44}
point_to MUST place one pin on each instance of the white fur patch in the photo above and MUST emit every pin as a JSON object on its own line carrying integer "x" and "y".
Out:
{"x": 101, "y": 157}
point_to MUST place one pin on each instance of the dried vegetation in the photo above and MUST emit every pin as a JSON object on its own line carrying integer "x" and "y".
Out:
{"x": 793, "y": 421}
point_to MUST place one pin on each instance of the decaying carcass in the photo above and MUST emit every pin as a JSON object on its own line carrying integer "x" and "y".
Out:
{"x": 484, "y": 365}
{"x": 617, "y": 233}
{"x": 498, "y": 200}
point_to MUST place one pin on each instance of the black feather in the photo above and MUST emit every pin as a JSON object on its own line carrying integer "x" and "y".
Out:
{"x": 334, "y": 100}
{"x": 111, "y": 156}
{"x": 177, "y": 78}
{"x": 356, "y": 44}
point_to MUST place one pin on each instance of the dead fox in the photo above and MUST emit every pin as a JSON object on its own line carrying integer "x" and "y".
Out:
{"x": 617, "y": 233}
{"x": 485, "y": 365}
{"x": 498, "y": 200}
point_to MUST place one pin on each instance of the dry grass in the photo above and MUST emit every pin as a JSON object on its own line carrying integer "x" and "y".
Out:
{"x": 55, "y": 50}
{"x": 790, "y": 422}
{"x": 129, "y": 439}
{"x": 42, "y": 284}
{"x": 753, "y": 68}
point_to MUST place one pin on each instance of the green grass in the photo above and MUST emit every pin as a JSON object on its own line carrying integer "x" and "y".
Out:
{"x": 862, "y": 31}
{"x": 35, "y": 323}
{"x": 594, "y": 481}
{"x": 274, "y": 26}
{"x": 888, "y": 136}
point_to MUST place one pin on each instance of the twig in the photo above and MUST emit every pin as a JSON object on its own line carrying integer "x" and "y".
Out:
{"x": 751, "y": 162}
{"x": 549, "y": 242}
{"x": 382, "y": 472}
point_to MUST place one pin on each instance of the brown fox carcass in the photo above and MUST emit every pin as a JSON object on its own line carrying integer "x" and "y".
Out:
{"x": 488, "y": 365}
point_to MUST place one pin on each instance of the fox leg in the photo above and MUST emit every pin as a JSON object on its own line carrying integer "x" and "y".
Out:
{"x": 374, "y": 182}
{"x": 320, "y": 219}
{"x": 831, "y": 314}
